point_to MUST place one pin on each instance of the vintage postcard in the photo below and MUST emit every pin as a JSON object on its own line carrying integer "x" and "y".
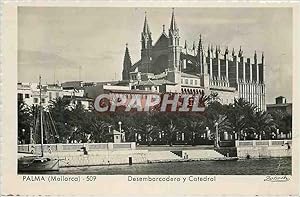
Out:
{"x": 149, "y": 98}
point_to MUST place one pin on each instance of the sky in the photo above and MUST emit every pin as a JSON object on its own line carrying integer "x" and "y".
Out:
{"x": 76, "y": 43}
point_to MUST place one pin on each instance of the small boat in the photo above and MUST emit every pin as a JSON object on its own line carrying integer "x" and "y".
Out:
{"x": 38, "y": 163}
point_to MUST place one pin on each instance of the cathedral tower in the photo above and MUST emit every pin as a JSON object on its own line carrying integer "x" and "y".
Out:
{"x": 146, "y": 41}
{"x": 174, "y": 48}
{"x": 200, "y": 58}
{"x": 126, "y": 65}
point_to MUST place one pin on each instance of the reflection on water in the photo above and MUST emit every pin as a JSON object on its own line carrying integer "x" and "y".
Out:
{"x": 271, "y": 166}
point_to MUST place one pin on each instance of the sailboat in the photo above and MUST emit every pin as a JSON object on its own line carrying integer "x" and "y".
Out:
{"x": 38, "y": 163}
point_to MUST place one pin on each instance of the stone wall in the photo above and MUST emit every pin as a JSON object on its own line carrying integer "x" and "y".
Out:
{"x": 98, "y": 158}
{"x": 49, "y": 148}
{"x": 264, "y": 148}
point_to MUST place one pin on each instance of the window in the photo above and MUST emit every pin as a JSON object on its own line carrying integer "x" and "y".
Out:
{"x": 26, "y": 95}
{"x": 196, "y": 82}
{"x": 50, "y": 95}
{"x": 186, "y": 81}
{"x": 35, "y": 100}
{"x": 181, "y": 81}
{"x": 43, "y": 100}
{"x": 57, "y": 94}
{"x": 191, "y": 81}
{"x": 20, "y": 96}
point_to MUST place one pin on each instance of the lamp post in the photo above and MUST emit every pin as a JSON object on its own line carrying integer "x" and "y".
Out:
{"x": 120, "y": 126}
{"x": 23, "y": 133}
{"x": 217, "y": 135}
{"x": 121, "y": 131}
{"x": 123, "y": 135}
{"x": 109, "y": 129}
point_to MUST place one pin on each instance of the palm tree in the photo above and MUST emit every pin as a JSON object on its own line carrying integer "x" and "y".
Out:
{"x": 262, "y": 122}
{"x": 170, "y": 124}
{"x": 214, "y": 111}
{"x": 146, "y": 125}
{"x": 213, "y": 97}
{"x": 193, "y": 125}
{"x": 98, "y": 127}
{"x": 239, "y": 114}
{"x": 61, "y": 114}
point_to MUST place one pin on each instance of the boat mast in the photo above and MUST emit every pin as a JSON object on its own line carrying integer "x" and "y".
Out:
{"x": 41, "y": 117}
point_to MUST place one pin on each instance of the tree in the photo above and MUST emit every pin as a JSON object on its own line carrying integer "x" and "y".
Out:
{"x": 194, "y": 125}
{"x": 61, "y": 113}
{"x": 97, "y": 125}
{"x": 238, "y": 115}
{"x": 170, "y": 124}
{"x": 217, "y": 113}
{"x": 146, "y": 125}
{"x": 25, "y": 122}
{"x": 262, "y": 123}
{"x": 283, "y": 120}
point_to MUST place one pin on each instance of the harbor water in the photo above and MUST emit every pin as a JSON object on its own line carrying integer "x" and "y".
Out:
{"x": 269, "y": 166}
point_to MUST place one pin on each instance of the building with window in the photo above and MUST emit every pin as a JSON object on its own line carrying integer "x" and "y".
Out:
{"x": 29, "y": 93}
{"x": 280, "y": 105}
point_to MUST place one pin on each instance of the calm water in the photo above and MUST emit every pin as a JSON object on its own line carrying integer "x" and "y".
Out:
{"x": 272, "y": 166}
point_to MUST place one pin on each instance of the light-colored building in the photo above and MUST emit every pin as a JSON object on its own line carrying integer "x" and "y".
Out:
{"x": 30, "y": 94}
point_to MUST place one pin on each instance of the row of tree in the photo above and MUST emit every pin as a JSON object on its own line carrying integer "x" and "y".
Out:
{"x": 240, "y": 120}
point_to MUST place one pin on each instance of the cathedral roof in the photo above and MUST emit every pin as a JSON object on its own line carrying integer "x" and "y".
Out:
{"x": 162, "y": 41}
{"x": 136, "y": 65}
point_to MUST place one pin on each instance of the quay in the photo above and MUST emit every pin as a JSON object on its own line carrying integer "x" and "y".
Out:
{"x": 98, "y": 154}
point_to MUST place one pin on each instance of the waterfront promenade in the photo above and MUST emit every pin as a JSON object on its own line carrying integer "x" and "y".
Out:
{"x": 94, "y": 154}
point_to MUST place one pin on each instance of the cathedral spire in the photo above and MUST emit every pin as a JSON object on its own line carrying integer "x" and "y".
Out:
{"x": 173, "y": 26}
{"x": 126, "y": 64}
{"x": 226, "y": 50}
{"x": 194, "y": 46}
{"x": 200, "y": 55}
{"x": 200, "y": 49}
{"x": 174, "y": 46}
{"x": 146, "y": 35}
{"x": 255, "y": 57}
{"x": 240, "y": 52}
{"x": 217, "y": 51}
{"x": 146, "y": 29}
